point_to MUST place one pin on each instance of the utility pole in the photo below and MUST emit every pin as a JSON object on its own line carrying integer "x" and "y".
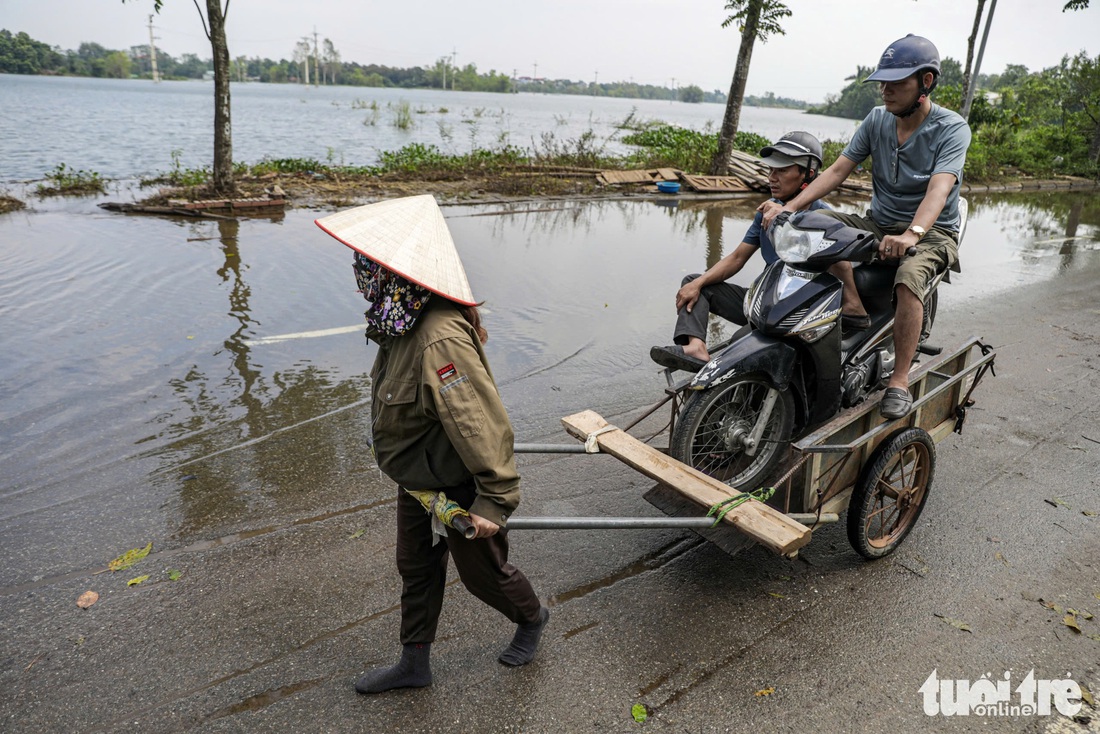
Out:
{"x": 454, "y": 63}
{"x": 673, "y": 97}
{"x": 536, "y": 76}
{"x": 445, "y": 65}
{"x": 316, "y": 64}
{"x": 153, "y": 53}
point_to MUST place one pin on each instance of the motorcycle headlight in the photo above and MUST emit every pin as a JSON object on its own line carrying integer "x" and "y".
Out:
{"x": 794, "y": 245}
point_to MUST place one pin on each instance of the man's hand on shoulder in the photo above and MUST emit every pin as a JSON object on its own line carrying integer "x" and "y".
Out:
{"x": 769, "y": 211}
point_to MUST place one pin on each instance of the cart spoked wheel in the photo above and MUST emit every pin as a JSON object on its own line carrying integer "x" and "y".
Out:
{"x": 889, "y": 497}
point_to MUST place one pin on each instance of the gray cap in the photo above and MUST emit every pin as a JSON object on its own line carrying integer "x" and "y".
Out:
{"x": 795, "y": 148}
{"x": 779, "y": 160}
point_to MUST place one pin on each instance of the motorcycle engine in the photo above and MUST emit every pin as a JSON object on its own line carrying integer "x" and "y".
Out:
{"x": 857, "y": 380}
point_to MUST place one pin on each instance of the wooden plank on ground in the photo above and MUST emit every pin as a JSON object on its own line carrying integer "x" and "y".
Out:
{"x": 624, "y": 177}
{"x": 764, "y": 524}
{"x": 669, "y": 501}
{"x": 715, "y": 184}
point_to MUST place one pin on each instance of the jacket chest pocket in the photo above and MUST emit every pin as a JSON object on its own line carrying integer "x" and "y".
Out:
{"x": 397, "y": 400}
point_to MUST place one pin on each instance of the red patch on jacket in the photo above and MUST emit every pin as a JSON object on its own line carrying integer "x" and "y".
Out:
{"x": 445, "y": 372}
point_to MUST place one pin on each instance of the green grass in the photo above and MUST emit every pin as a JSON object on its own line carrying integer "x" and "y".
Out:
{"x": 65, "y": 181}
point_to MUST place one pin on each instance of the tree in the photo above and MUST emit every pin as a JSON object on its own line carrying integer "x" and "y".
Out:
{"x": 117, "y": 65}
{"x": 331, "y": 58}
{"x": 213, "y": 24}
{"x": 692, "y": 94}
{"x": 1082, "y": 76}
{"x": 302, "y": 51}
{"x": 970, "y": 55}
{"x": 757, "y": 19}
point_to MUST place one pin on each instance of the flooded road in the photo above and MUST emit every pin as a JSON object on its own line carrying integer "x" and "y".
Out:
{"x": 165, "y": 374}
{"x": 164, "y": 381}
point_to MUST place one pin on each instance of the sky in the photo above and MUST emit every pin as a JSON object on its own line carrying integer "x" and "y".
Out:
{"x": 661, "y": 42}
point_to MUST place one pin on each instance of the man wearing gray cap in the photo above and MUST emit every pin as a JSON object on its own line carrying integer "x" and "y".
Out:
{"x": 793, "y": 161}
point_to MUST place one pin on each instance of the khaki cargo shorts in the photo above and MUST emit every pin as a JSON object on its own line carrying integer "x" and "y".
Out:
{"x": 937, "y": 251}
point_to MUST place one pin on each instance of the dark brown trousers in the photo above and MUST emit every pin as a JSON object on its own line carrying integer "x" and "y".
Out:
{"x": 482, "y": 565}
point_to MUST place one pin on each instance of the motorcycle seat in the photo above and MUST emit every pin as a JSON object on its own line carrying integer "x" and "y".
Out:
{"x": 875, "y": 284}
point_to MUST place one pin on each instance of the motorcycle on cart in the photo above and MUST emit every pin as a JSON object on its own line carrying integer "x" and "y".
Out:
{"x": 780, "y": 432}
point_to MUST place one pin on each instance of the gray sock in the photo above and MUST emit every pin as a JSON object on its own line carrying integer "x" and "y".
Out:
{"x": 412, "y": 671}
{"x": 526, "y": 641}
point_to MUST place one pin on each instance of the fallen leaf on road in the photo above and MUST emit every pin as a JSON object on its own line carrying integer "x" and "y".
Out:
{"x": 1000, "y": 557}
{"x": 776, "y": 595}
{"x": 1086, "y": 695}
{"x": 174, "y": 575}
{"x": 1051, "y": 605}
{"x": 138, "y": 580}
{"x": 956, "y": 623}
{"x": 1055, "y": 502}
{"x": 357, "y": 534}
{"x": 765, "y": 691}
{"x": 1094, "y": 638}
{"x": 1089, "y": 513}
{"x": 1071, "y": 621}
{"x": 638, "y": 711}
{"x": 87, "y": 599}
{"x": 129, "y": 558}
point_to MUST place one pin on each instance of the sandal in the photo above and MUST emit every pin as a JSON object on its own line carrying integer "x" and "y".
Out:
{"x": 674, "y": 358}
{"x": 896, "y": 403}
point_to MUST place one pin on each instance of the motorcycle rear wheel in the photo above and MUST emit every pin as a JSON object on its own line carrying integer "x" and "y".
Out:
{"x": 714, "y": 424}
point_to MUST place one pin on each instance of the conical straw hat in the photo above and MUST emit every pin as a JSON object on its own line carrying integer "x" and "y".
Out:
{"x": 406, "y": 236}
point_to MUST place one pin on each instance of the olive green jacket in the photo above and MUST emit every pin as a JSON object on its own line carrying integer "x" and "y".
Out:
{"x": 436, "y": 415}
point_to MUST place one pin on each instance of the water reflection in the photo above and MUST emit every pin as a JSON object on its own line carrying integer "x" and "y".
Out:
{"x": 132, "y": 390}
{"x": 249, "y": 442}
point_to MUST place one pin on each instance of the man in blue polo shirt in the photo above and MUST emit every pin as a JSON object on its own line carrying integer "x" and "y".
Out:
{"x": 917, "y": 151}
{"x": 793, "y": 161}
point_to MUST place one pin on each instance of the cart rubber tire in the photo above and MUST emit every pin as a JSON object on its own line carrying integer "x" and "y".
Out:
{"x": 712, "y": 418}
{"x": 889, "y": 496}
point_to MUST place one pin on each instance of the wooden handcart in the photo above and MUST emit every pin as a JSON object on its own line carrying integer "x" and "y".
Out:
{"x": 879, "y": 471}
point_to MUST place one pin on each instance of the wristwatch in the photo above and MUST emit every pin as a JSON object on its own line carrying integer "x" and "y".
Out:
{"x": 918, "y": 230}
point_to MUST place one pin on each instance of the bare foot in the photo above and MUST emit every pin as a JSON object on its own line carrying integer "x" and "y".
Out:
{"x": 697, "y": 348}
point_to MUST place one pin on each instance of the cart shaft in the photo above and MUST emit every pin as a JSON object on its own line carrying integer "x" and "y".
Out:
{"x": 629, "y": 523}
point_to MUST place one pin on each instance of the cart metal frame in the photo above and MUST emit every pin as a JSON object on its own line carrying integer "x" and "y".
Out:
{"x": 814, "y": 484}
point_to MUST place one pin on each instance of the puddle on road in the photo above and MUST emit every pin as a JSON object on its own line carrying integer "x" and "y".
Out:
{"x": 140, "y": 383}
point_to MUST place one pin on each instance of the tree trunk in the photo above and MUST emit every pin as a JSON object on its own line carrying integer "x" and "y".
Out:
{"x": 223, "y": 128}
{"x": 720, "y": 165}
{"x": 965, "y": 111}
{"x": 978, "y": 63}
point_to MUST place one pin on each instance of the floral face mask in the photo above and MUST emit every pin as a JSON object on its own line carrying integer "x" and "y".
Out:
{"x": 395, "y": 303}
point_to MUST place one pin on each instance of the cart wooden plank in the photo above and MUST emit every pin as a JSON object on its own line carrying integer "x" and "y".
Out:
{"x": 765, "y": 525}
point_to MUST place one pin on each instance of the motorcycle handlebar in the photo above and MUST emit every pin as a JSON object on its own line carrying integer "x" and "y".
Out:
{"x": 909, "y": 252}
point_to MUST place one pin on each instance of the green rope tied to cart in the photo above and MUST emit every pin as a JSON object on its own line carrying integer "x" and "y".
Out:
{"x": 719, "y": 509}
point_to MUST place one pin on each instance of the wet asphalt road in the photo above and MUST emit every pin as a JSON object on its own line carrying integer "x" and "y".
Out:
{"x": 269, "y": 625}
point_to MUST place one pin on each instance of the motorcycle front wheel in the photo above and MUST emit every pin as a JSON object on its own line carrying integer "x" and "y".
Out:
{"x": 715, "y": 427}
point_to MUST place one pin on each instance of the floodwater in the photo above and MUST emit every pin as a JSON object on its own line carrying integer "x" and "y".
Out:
{"x": 157, "y": 379}
{"x": 131, "y": 128}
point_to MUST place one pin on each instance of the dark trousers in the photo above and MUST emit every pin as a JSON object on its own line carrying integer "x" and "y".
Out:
{"x": 723, "y": 299}
{"x": 482, "y": 565}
